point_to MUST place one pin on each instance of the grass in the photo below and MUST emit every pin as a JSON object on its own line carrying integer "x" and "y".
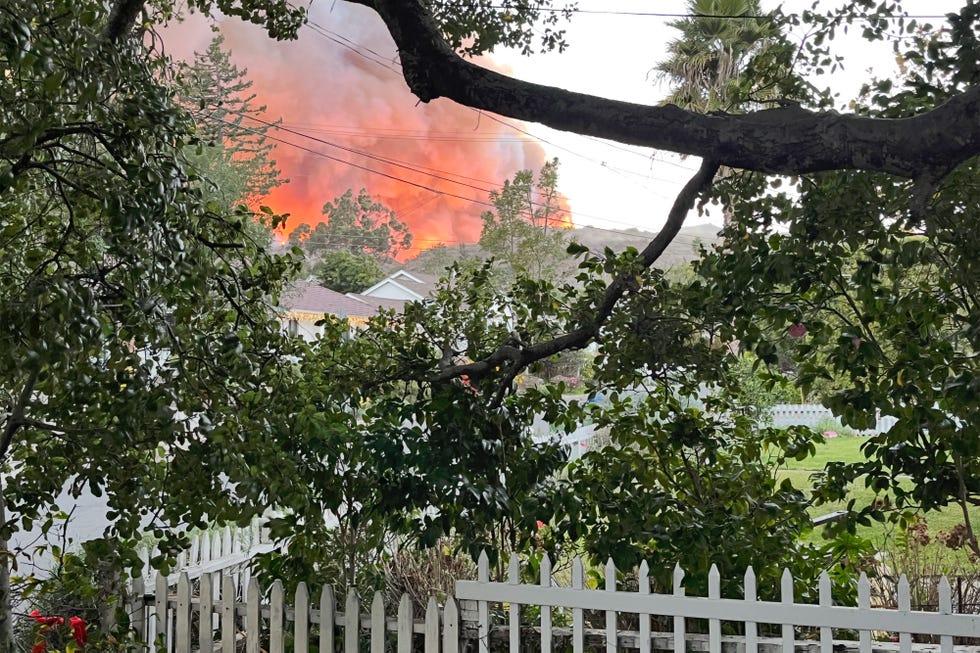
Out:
{"x": 885, "y": 537}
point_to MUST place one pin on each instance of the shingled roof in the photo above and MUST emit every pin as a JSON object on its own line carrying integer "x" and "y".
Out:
{"x": 310, "y": 298}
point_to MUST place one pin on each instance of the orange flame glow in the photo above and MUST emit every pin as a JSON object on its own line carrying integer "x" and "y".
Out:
{"x": 337, "y": 87}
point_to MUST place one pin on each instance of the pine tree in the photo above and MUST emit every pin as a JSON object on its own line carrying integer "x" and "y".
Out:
{"x": 234, "y": 151}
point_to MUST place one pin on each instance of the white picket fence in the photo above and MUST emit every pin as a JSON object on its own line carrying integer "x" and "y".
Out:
{"x": 784, "y": 415}
{"x": 213, "y": 614}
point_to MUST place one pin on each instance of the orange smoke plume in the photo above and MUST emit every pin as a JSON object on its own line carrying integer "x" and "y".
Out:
{"x": 349, "y": 121}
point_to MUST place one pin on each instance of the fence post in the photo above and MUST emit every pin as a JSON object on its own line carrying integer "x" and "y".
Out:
{"x": 826, "y": 600}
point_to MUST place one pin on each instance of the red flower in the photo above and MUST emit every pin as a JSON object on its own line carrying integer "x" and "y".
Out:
{"x": 40, "y": 647}
{"x": 46, "y": 621}
{"x": 540, "y": 524}
{"x": 78, "y": 630}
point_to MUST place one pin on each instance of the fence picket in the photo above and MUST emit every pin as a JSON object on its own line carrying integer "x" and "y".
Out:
{"x": 378, "y": 624}
{"x": 205, "y": 623}
{"x": 352, "y": 618}
{"x": 679, "y": 635}
{"x": 945, "y": 607}
{"x": 277, "y": 618}
{"x": 160, "y": 610}
{"x": 546, "y": 635}
{"x": 612, "y": 639}
{"x": 406, "y": 623}
{"x": 864, "y": 604}
{"x": 578, "y": 615}
{"x": 786, "y": 595}
{"x": 228, "y": 625}
{"x": 138, "y": 608}
{"x": 432, "y": 626}
{"x": 301, "y": 619}
{"x": 253, "y": 613}
{"x": 483, "y": 608}
{"x": 643, "y": 581}
{"x": 182, "y": 613}
{"x": 450, "y": 628}
{"x": 904, "y": 605}
{"x": 514, "y": 578}
{"x": 826, "y": 600}
{"x": 751, "y": 627}
{"x": 714, "y": 625}
{"x": 328, "y": 606}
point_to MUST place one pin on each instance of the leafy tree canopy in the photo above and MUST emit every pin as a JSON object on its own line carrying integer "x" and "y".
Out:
{"x": 346, "y": 271}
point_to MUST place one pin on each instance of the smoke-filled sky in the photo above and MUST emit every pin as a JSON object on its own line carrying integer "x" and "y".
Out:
{"x": 339, "y": 86}
{"x": 433, "y": 158}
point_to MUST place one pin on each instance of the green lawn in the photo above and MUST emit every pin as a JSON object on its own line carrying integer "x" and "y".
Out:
{"x": 884, "y": 536}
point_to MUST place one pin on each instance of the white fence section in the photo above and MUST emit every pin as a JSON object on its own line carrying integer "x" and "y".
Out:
{"x": 791, "y": 618}
{"x": 784, "y": 415}
{"x": 212, "y": 614}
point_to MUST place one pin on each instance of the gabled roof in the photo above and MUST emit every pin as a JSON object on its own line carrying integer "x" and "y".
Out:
{"x": 417, "y": 284}
{"x": 308, "y": 297}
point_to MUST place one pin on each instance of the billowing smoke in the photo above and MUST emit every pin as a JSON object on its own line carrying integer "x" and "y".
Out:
{"x": 340, "y": 83}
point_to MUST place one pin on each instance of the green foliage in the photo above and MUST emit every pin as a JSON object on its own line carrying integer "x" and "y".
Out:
{"x": 346, "y": 271}
{"x": 232, "y": 151}
{"x": 881, "y": 275}
{"x": 524, "y": 231}
{"x": 357, "y": 224}
{"x": 475, "y": 28}
{"x": 137, "y": 353}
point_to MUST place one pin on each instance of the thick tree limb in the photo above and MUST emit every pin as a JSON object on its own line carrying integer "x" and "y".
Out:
{"x": 512, "y": 359}
{"x": 122, "y": 18}
{"x": 786, "y": 140}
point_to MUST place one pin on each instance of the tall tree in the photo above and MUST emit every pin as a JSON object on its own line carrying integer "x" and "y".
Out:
{"x": 524, "y": 229}
{"x": 706, "y": 62}
{"x": 232, "y": 152}
{"x": 135, "y": 336}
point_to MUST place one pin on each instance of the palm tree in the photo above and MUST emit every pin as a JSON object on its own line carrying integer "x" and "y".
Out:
{"x": 716, "y": 42}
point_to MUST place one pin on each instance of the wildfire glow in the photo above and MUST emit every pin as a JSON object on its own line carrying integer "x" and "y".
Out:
{"x": 327, "y": 91}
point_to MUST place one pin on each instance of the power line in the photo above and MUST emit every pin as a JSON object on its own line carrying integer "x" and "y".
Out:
{"x": 665, "y": 14}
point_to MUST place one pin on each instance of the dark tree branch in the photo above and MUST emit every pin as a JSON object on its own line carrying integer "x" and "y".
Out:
{"x": 513, "y": 358}
{"x": 122, "y": 18}
{"x": 786, "y": 140}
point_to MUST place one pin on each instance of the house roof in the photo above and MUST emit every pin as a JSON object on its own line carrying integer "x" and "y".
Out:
{"x": 416, "y": 283}
{"x": 308, "y": 297}
{"x": 397, "y": 305}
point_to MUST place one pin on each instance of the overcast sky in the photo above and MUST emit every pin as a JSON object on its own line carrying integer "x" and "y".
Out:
{"x": 616, "y": 186}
